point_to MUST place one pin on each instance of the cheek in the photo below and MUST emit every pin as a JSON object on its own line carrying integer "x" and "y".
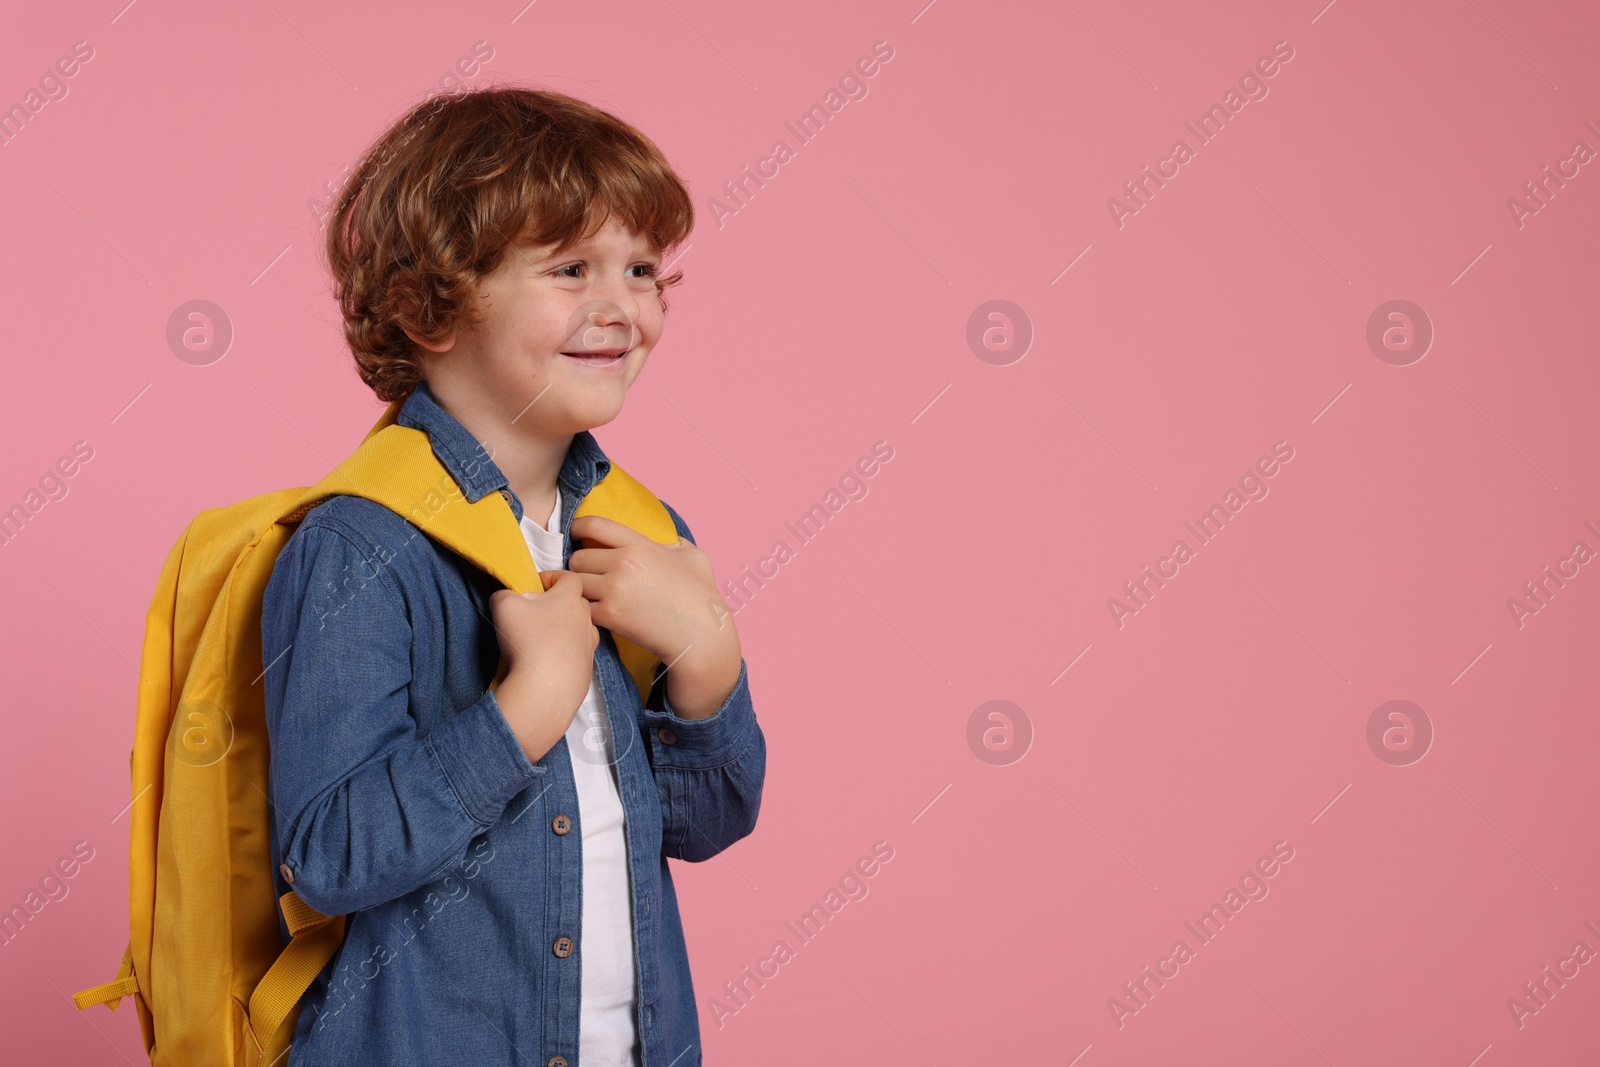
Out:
{"x": 637, "y": 366}
{"x": 543, "y": 335}
{"x": 651, "y": 322}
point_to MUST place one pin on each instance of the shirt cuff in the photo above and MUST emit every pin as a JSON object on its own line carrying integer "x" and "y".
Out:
{"x": 482, "y": 759}
{"x": 703, "y": 744}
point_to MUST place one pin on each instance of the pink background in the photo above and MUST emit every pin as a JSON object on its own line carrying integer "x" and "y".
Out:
{"x": 831, "y": 312}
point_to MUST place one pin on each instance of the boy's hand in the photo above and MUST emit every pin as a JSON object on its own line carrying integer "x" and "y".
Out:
{"x": 549, "y": 640}
{"x": 662, "y": 598}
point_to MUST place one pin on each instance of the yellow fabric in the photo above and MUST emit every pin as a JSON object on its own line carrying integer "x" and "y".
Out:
{"x": 206, "y": 966}
{"x": 315, "y": 938}
{"x": 111, "y": 994}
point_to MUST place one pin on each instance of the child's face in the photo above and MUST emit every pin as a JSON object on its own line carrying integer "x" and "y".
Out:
{"x": 541, "y": 312}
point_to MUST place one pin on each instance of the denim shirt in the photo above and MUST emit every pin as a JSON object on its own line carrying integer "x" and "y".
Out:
{"x": 400, "y": 798}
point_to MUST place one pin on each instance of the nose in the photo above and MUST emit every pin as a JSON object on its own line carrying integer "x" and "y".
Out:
{"x": 603, "y": 323}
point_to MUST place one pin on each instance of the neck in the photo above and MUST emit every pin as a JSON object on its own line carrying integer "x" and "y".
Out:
{"x": 530, "y": 465}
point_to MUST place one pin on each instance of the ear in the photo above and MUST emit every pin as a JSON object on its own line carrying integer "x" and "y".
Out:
{"x": 434, "y": 346}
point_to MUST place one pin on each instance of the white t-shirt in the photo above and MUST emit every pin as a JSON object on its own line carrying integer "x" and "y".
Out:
{"x": 607, "y": 1033}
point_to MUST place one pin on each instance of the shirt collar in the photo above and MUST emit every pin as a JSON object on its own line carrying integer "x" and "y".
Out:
{"x": 471, "y": 466}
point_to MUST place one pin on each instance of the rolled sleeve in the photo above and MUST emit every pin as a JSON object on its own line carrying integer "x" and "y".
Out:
{"x": 482, "y": 759}
{"x": 709, "y": 772}
{"x": 702, "y": 744}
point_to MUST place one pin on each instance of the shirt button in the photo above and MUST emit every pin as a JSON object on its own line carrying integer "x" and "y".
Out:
{"x": 288, "y": 875}
{"x": 667, "y": 736}
{"x": 557, "y": 1061}
{"x": 561, "y": 824}
{"x": 563, "y": 947}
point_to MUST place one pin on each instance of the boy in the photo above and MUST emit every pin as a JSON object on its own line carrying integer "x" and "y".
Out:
{"x": 501, "y": 855}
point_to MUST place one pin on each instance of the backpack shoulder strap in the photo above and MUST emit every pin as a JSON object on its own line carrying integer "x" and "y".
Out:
{"x": 395, "y": 466}
{"x": 620, "y": 496}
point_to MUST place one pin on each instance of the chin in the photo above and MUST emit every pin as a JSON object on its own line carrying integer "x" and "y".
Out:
{"x": 599, "y": 419}
{"x": 590, "y": 417}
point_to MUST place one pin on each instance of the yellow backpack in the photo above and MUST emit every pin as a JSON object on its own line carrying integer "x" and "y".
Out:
{"x": 213, "y": 980}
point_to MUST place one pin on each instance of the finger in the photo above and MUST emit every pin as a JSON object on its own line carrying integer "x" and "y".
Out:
{"x": 592, "y": 560}
{"x": 606, "y": 533}
{"x": 557, "y": 581}
{"x": 590, "y": 586}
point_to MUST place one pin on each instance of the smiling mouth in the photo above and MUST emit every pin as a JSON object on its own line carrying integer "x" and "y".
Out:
{"x": 599, "y": 357}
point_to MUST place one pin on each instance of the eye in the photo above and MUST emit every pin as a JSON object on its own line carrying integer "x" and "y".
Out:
{"x": 649, "y": 270}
